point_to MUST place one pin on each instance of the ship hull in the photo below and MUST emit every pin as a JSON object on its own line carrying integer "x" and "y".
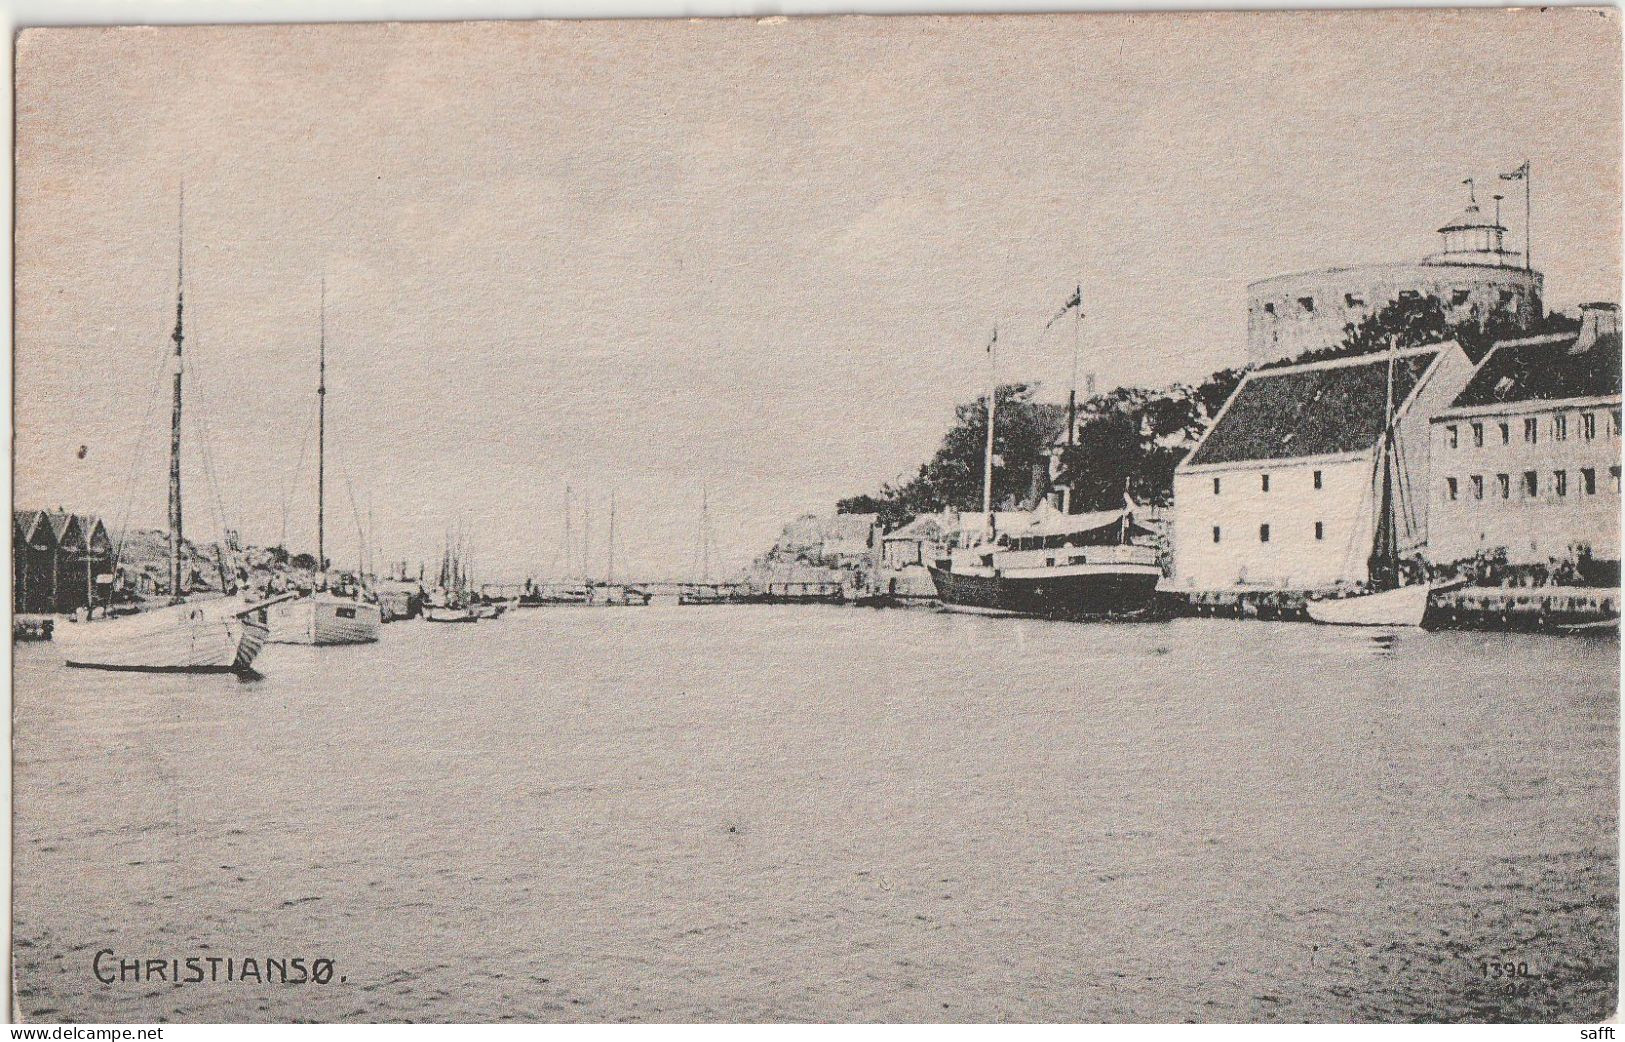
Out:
{"x": 1102, "y": 593}
{"x": 454, "y": 615}
{"x": 324, "y": 621}
{"x": 211, "y": 637}
{"x": 1406, "y": 606}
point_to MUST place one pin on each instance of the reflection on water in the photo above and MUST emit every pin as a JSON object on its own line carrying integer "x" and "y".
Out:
{"x": 825, "y": 813}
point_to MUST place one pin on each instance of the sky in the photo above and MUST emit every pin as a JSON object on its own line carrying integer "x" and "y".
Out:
{"x": 757, "y": 260}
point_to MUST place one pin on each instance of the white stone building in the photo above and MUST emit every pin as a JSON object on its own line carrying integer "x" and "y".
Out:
{"x": 1527, "y": 459}
{"x": 1280, "y": 491}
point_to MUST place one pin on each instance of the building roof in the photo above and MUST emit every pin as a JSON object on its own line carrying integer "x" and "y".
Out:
{"x": 925, "y": 528}
{"x": 1318, "y": 409}
{"x": 27, "y": 522}
{"x": 1470, "y": 218}
{"x": 1542, "y": 369}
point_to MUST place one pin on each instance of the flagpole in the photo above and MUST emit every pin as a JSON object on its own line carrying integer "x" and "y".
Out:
{"x": 992, "y": 405}
{"x": 1528, "y": 211}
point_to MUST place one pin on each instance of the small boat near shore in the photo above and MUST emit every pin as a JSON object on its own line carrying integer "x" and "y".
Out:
{"x": 1402, "y": 606}
{"x": 215, "y": 636}
{"x": 448, "y": 613}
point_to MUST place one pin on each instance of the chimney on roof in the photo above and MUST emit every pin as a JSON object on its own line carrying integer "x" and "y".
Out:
{"x": 1597, "y": 320}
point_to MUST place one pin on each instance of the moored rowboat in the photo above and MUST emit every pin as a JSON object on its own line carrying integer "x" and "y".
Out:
{"x": 1405, "y": 606}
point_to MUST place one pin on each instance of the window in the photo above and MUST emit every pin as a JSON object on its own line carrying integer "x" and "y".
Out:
{"x": 1560, "y": 482}
{"x": 1560, "y": 427}
{"x": 1215, "y": 533}
{"x": 1320, "y": 530}
{"x": 1503, "y": 482}
{"x": 1460, "y": 296}
{"x": 1478, "y": 486}
{"x": 1317, "y": 479}
{"x": 1478, "y": 435}
{"x": 1215, "y": 492}
{"x": 1531, "y": 485}
{"x": 1453, "y": 435}
{"x": 1354, "y": 300}
{"x": 1588, "y": 426}
{"x": 1308, "y": 304}
{"x": 1614, "y": 430}
{"x": 1450, "y": 490}
{"x": 1613, "y": 477}
{"x": 1263, "y": 533}
{"x": 1531, "y": 430}
{"x": 1264, "y": 482}
{"x": 1588, "y": 481}
{"x": 1506, "y": 433}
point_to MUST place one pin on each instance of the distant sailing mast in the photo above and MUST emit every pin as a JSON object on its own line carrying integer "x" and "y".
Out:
{"x": 179, "y": 336}
{"x": 321, "y": 447}
{"x": 992, "y": 408}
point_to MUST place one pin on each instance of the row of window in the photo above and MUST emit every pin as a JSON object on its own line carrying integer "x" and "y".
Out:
{"x": 1585, "y": 428}
{"x": 1458, "y": 298}
{"x": 1264, "y": 532}
{"x": 1500, "y": 485}
{"x": 1264, "y": 483}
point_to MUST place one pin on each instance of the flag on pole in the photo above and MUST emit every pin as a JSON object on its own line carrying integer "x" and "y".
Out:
{"x": 1519, "y": 174}
{"x": 1075, "y": 301}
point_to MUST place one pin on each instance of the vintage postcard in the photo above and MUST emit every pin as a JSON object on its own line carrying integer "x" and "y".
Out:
{"x": 1023, "y": 518}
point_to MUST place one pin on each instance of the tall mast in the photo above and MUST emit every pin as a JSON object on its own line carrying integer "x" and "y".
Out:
{"x": 321, "y": 448}
{"x": 609, "y": 576}
{"x": 1384, "y": 564}
{"x": 992, "y": 405}
{"x": 569, "y": 543}
{"x": 586, "y": 538}
{"x": 175, "y": 411}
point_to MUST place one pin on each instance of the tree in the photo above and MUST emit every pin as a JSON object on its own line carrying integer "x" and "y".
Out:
{"x": 952, "y": 478}
{"x": 303, "y": 562}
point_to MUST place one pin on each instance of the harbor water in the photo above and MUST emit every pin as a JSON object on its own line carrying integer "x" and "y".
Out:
{"x": 823, "y": 813}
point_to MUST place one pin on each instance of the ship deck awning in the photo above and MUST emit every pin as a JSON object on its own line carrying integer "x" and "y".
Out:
{"x": 1052, "y": 530}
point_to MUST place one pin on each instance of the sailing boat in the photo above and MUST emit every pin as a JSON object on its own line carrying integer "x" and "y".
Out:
{"x": 1389, "y": 603}
{"x": 219, "y": 635}
{"x": 1050, "y": 564}
{"x": 448, "y": 601}
{"x": 324, "y": 618}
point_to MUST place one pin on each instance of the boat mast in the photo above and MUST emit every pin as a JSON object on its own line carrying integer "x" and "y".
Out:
{"x": 987, "y": 463}
{"x": 609, "y": 573}
{"x": 1072, "y": 394}
{"x": 1385, "y": 544}
{"x": 175, "y": 410}
{"x": 569, "y": 543}
{"x": 321, "y": 448}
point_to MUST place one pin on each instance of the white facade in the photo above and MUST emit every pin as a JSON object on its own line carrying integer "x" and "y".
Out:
{"x": 1538, "y": 479}
{"x": 1311, "y": 524}
{"x": 1230, "y": 532}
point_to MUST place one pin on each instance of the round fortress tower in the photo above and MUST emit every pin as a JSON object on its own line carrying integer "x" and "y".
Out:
{"x": 1474, "y": 276}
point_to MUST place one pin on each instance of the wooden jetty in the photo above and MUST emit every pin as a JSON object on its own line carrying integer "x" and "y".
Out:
{"x": 1547, "y": 609}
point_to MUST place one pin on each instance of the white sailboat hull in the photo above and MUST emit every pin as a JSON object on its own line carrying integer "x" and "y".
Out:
{"x": 1405, "y": 606}
{"x": 324, "y": 621}
{"x": 221, "y": 636}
